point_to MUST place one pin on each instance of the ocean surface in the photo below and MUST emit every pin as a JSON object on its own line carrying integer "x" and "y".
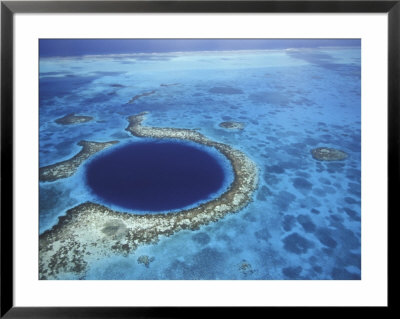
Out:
{"x": 305, "y": 218}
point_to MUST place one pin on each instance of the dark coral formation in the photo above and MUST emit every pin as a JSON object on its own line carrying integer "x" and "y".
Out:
{"x": 67, "y": 168}
{"x": 328, "y": 154}
{"x": 297, "y": 244}
{"x": 136, "y": 97}
{"x": 93, "y": 231}
{"x": 245, "y": 268}
{"x": 73, "y": 119}
{"x": 145, "y": 260}
{"x": 232, "y": 125}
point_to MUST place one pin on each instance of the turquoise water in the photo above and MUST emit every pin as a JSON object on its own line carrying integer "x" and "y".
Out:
{"x": 305, "y": 218}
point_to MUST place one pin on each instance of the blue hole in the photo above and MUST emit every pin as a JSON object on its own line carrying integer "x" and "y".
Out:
{"x": 156, "y": 176}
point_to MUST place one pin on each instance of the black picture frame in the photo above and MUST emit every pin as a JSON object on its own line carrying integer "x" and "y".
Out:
{"x": 9, "y": 8}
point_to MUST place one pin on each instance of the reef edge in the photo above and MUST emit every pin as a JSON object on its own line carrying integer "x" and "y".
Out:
{"x": 91, "y": 231}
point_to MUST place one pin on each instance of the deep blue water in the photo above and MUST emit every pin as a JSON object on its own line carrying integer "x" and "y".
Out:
{"x": 78, "y": 47}
{"x": 155, "y": 176}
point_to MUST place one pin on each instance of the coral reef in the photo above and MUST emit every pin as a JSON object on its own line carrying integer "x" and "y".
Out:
{"x": 145, "y": 260}
{"x": 141, "y": 95}
{"x": 67, "y": 168}
{"x": 245, "y": 268}
{"x": 232, "y": 125}
{"x": 91, "y": 231}
{"x": 328, "y": 154}
{"x": 73, "y": 119}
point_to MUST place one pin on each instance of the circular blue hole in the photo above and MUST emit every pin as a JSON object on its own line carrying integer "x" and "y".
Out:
{"x": 155, "y": 175}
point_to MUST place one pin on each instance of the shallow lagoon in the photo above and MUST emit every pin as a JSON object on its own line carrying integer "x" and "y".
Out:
{"x": 305, "y": 218}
